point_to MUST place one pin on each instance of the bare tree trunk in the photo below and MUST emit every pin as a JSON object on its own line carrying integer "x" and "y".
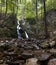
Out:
{"x": 14, "y": 7}
{"x": 1, "y": 6}
{"x": 36, "y": 19}
{"x": 6, "y": 8}
{"x": 45, "y": 21}
{"x": 20, "y": 1}
{"x": 36, "y": 10}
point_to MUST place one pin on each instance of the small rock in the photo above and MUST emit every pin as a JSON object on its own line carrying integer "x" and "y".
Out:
{"x": 44, "y": 56}
{"x": 6, "y": 41}
{"x": 27, "y": 55}
{"x": 1, "y": 61}
{"x": 2, "y": 44}
{"x": 44, "y": 44}
{"x": 1, "y": 55}
{"x": 52, "y": 43}
{"x": 13, "y": 63}
{"x": 36, "y": 47}
{"x": 28, "y": 47}
{"x": 53, "y": 50}
{"x": 3, "y": 64}
{"x": 52, "y": 62}
{"x": 2, "y": 41}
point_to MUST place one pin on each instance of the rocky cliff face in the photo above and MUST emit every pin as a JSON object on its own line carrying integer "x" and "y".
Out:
{"x": 8, "y": 25}
{"x": 51, "y": 20}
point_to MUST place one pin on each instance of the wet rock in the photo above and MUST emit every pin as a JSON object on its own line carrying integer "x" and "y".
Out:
{"x": 2, "y": 43}
{"x": 27, "y": 55}
{"x": 44, "y": 56}
{"x": 3, "y": 64}
{"x": 52, "y": 62}
{"x": 31, "y": 61}
{"x": 1, "y": 61}
{"x": 28, "y": 47}
{"x": 1, "y": 55}
{"x": 13, "y": 63}
{"x": 12, "y": 41}
{"x": 7, "y": 41}
{"x": 25, "y": 45}
{"x": 5, "y": 47}
{"x": 10, "y": 53}
{"x": 53, "y": 51}
{"x": 44, "y": 44}
{"x": 52, "y": 43}
{"x": 35, "y": 46}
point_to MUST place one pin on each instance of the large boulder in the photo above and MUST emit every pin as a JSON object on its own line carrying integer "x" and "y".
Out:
{"x": 52, "y": 62}
{"x": 31, "y": 61}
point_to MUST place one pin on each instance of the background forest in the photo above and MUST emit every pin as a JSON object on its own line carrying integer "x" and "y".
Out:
{"x": 37, "y": 17}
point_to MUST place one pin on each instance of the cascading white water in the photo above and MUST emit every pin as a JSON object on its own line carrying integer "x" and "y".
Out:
{"x": 18, "y": 32}
{"x": 18, "y": 27}
{"x": 26, "y": 34}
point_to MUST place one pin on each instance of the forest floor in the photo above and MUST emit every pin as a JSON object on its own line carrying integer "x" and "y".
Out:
{"x": 27, "y": 52}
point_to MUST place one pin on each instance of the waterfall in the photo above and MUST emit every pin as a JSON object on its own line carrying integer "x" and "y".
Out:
{"x": 21, "y": 33}
{"x": 26, "y": 34}
{"x": 18, "y": 27}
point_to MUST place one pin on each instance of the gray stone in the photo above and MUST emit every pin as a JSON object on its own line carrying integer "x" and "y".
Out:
{"x": 35, "y": 46}
{"x": 52, "y": 62}
{"x": 52, "y": 43}
{"x": 1, "y": 61}
{"x": 44, "y": 44}
{"x": 44, "y": 56}
{"x": 26, "y": 55}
